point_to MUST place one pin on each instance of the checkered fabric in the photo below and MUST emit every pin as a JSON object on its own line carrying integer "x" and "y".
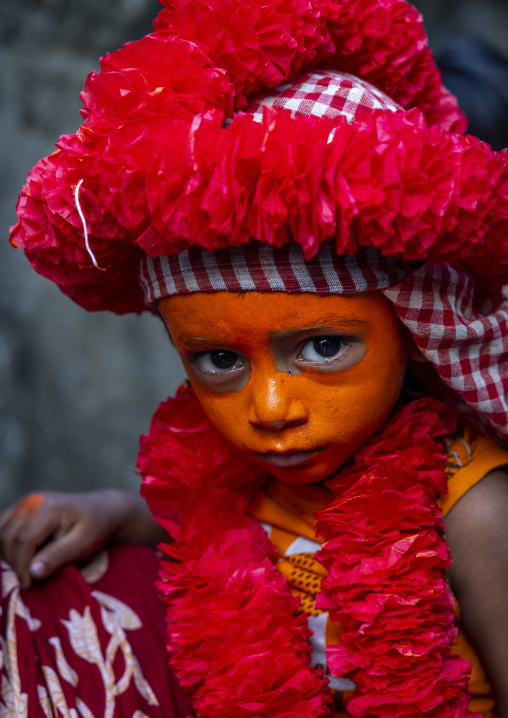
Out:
{"x": 259, "y": 267}
{"x": 465, "y": 337}
{"x": 323, "y": 94}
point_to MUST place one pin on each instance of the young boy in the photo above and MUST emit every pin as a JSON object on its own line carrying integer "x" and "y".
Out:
{"x": 351, "y": 249}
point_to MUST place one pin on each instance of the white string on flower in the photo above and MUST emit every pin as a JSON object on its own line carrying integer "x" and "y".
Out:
{"x": 85, "y": 230}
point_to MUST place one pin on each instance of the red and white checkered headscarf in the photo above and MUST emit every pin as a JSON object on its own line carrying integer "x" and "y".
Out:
{"x": 463, "y": 332}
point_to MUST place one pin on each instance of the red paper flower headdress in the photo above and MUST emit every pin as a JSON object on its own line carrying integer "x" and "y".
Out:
{"x": 155, "y": 168}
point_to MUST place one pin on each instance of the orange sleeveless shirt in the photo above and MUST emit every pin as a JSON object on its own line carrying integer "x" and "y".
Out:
{"x": 287, "y": 513}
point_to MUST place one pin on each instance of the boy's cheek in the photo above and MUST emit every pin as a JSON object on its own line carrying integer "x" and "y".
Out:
{"x": 340, "y": 418}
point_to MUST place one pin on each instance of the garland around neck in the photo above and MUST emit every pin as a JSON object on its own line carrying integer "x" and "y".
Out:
{"x": 239, "y": 644}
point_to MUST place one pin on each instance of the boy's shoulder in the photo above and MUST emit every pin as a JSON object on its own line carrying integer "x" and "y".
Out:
{"x": 470, "y": 456}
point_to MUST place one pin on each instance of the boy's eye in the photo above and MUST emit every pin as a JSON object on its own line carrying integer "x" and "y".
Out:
{"x": 217, "y": 361}
{"x": 319, "y": 348}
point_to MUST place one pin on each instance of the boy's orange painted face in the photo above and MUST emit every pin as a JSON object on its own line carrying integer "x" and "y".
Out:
{"x": 297, "y": 382}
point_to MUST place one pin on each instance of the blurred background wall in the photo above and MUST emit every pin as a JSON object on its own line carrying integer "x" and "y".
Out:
{"x": 77, "y": 389}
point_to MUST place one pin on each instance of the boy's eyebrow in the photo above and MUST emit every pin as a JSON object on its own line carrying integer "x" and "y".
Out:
{"x": 196, "y": 342}
{"x": 330, "y": 323}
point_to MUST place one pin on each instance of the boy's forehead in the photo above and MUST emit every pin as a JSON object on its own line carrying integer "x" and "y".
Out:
{"x": 269, "y": 312}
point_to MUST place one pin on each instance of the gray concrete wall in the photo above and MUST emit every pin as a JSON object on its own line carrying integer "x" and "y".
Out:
{"x": 484, "y": 19}
{"x": 77, "y": 389}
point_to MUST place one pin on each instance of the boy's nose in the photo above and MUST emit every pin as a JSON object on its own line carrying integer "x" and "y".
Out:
{"x": 274, "y": 404}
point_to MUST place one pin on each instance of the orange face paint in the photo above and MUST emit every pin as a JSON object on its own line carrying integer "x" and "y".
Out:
{"x": 296, "y": 382}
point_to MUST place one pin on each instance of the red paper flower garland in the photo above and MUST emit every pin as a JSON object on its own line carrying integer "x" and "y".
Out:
{"x": 237, "y": 643}
{"x": 160, "y": 172}
{"x": 386, "y": 559}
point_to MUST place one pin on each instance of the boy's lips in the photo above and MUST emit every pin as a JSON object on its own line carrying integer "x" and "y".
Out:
{"x": 291, "y": 458}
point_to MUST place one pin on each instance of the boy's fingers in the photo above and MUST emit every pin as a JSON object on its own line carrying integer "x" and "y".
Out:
{"x": 16, "y": 519}
{"x": 63, "y": 549}
{"x": 5, "y": 515}
{"x": 21, "y": 538}
{"x": 10, "y": 535}
{"x": 27, "y": 507}
{"x": 11, "y": 520}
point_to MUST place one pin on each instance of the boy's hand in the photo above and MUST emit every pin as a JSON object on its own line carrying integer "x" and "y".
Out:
{"x": 44, "y": 531}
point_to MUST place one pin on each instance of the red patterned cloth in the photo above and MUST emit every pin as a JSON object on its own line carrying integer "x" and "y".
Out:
{"x": 89, "y": 643}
